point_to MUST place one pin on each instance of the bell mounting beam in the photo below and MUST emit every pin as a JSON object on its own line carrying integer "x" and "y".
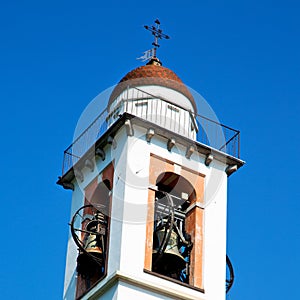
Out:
{"x": 158, "y": 34}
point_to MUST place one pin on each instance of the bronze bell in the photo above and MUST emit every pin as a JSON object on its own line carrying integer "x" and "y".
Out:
{"x": 90, "y": 259}
{"x": 170, "y": 261}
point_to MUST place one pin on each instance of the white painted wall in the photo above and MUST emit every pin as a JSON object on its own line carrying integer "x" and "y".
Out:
{"x": 215, "y": 233}
{"x": 126, "y": 291}
{"x": 159, "y": 91}
{"x": 173, "y": 114}
{"x": 70, "y": 271}
{"x": 129, "y": 210}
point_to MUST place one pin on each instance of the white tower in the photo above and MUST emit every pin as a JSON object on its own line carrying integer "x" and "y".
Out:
{"x": 149, "y": 195}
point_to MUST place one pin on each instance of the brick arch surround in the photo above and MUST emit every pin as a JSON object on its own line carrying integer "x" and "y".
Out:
{"x": 194, "y": 219}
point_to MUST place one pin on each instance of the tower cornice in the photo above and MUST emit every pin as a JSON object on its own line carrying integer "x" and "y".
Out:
{"x": 108, "y": 138}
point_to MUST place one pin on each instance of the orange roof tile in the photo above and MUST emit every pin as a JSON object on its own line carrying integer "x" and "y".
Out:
{"x": 151, "y": 74}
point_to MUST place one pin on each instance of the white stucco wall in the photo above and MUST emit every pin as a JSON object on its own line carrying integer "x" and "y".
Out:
{"x": 129, "y": 210}
{"x": 160, "y": 105}
{"x": 159, "y": 91}
{"x": 215, "y": 233}
{"x": 70, "y": 271}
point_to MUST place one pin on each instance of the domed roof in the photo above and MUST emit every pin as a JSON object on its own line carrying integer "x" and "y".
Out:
{"x": 153, "y": 73}
{"x": 152, "y": 70}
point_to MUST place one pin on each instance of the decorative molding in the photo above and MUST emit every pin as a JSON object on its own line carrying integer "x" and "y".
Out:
{"x": 149, "y": 285}
{"x": 78, "y": 174}
{"x": 89, "y": 164}
{"x": 231, "y": 169}
{"x": 112, "y": 141}
{"x": 208, "y": 159}
{"x": 68, "y": 186}
{"x": 129, "y": 128}
{"x": 189, "y": 151}
{"x": 149, "y": 135}
{"x": 101, "y": 153}
{"x": 171, "y": 143}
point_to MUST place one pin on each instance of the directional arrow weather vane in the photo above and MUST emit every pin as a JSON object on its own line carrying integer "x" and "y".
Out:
{"x": 158, "y": 34}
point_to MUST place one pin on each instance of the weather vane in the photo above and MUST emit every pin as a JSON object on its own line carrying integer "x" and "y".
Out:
{"x": 158, "y": 34}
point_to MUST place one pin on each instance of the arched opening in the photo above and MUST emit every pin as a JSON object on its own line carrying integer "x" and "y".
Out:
{"x": 93, "y": 236}
{"x": 172, "y": 243}
{"x": 177, "y": 186}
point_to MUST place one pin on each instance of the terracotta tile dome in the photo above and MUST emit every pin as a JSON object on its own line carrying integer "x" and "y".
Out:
{"x": 151, "y": 74}
{"x": 151, "y": 71}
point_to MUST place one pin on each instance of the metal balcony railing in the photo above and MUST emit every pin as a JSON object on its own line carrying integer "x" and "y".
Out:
{"x": 160, "y": 112}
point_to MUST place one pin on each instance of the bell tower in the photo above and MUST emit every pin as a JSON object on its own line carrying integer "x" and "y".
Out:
{"x": 149, "y": 194}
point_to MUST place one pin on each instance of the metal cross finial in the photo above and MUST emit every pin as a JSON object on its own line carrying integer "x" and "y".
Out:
{"x": 158, "y": 34}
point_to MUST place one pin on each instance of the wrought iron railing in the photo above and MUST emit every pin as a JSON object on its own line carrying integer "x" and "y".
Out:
{"x": 160, "y": 112}
{"x": 84, "y": 141}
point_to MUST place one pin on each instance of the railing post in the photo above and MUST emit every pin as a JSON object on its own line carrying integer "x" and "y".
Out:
{"x": 127, "y": 97}
{"x": 239, "y": 145}
{"x": 63, "y": 164}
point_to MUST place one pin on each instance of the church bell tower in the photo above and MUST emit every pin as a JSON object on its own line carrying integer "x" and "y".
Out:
{"x": 149, "y": 194}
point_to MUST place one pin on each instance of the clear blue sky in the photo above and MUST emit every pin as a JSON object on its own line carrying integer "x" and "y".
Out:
{"x": 242, "y": 56}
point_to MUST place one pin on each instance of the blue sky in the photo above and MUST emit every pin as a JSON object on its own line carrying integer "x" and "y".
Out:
{"x": 241, "y": 56}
